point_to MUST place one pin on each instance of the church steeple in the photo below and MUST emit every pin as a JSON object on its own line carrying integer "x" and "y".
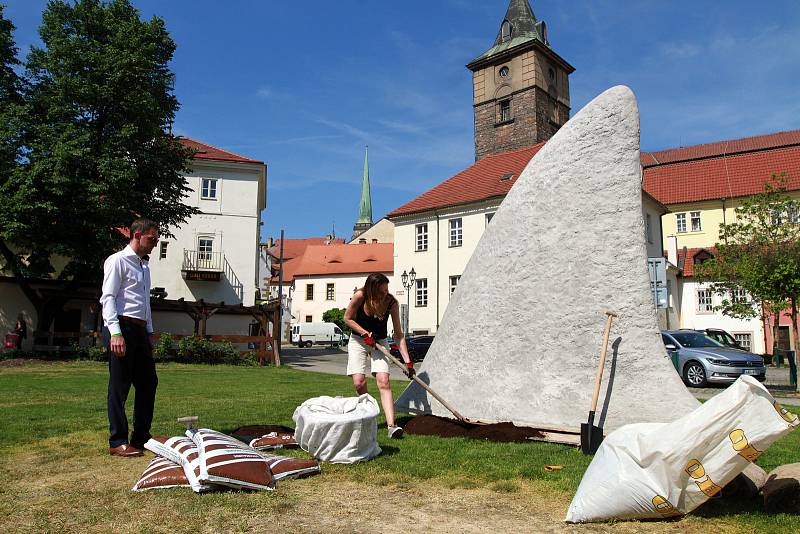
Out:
{"x": 364, "y": 220}
{"x": 520, "y": 85}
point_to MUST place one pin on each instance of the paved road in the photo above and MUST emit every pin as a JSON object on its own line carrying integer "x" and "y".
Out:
{"x": 324, "y": 360}
{"x": 334, "y": 361}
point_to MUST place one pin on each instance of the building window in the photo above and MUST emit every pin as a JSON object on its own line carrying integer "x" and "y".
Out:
{"x": 329, "y": 292}
{"x": 793, "y": 210}
{"x": 705, "y": 301}
{"x": 456, "y": 232}
{"x": 745, "y": 340}
{"x": 205, "y": 248}
{"x": 162, "y": 251}
{"x": 422, "y": 237}
{"x": 309, "y": 291}
{"x": 309, "y": 318}
{"x": 454, "y": 283}
{"x": 209, "y": 189}
{"x": 422, "y": 292}
{"x": 504, "y": 110}
{"x": 504, "y": 72}
{"x": 739, "y": 296}
{"x": 489, "y": 217}
{"x": 680, "y": 221}
{"x": 696, "y": 227}
{"x": 505, "y": 31}
{"x": 648, "y": 228}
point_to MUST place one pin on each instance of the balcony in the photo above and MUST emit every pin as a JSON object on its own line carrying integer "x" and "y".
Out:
{"x": 203, "y": 266}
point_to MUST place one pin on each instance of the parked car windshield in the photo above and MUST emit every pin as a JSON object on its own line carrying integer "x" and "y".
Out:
{"x": 695, "y": 339}
{"x": 724, "y": 338}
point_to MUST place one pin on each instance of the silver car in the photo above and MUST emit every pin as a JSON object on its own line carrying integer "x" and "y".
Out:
{"x": 701, "y": 360}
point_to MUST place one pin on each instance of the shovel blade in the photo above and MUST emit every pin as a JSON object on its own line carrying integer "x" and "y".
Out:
{"x": 591, "y": 438}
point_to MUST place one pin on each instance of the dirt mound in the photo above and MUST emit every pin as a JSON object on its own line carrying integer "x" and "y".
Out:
{"x": 250, "y": 432}
{"x": 431, "y": 425}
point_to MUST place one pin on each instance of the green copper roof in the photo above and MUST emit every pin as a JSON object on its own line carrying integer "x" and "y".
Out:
{"x": 365, "y": 206}
{"x": 524, "y": 28}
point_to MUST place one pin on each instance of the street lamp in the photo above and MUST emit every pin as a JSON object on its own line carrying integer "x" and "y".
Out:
{"x": 408, "y": 282}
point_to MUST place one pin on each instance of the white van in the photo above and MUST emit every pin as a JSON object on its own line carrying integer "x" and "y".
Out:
{"x": 306, "y": 334}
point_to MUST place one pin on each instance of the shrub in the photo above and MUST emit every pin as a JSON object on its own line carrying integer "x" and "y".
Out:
{"x": 163, "y": 347}
{"x": 94, "y": 354}
{"x": 196, "y": 349}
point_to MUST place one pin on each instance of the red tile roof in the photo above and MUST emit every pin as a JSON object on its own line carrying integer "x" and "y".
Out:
{"x": 293, "y": 250}
{"x": 733, "y": 168}
{"x": 478, "y": 182}
{"x": 204, "y": 151}
{"x": 347, "y": 259}
{"x": 688, "y": 265}
{"x": 722, "y": 176}
{"x": 720, "y": 148}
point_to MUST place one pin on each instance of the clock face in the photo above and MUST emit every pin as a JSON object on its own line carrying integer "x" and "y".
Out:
{"x": 504, "y": 72}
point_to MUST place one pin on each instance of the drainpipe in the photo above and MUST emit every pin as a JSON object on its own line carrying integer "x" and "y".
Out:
{"x": 438, "y": 238}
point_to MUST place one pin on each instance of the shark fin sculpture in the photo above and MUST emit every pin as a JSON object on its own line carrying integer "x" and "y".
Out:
{"x": 521, "y": 337}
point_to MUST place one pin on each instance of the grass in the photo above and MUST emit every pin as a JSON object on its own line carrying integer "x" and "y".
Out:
{"x": 57, "y": 476}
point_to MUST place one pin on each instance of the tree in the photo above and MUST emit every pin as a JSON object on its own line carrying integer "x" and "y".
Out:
{"x": 10, "y": 101}
{"x": 336, "y": 316}
{"x": 98, "y": 151}
{"x": 759, "y": 254}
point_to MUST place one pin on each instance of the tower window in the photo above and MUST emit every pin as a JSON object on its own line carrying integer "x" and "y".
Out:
{"x": 552, "y": 73}
{"x": 505, "y": 110}
{"x": 504, "y": 72}
{"x": 505, "y": 31}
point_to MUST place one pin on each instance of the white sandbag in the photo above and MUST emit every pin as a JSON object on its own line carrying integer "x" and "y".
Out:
{"x": 184, "y": 452}
{"x": 340, "y": 430}
{"x": 659, "y": 470}
{"x": 229, "y": 462}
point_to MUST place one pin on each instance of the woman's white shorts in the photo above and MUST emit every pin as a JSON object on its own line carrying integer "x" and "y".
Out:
{"x": 359, "y": 354}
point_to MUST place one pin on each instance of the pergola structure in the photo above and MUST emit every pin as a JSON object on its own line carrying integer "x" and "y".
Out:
{"x": 264, "y": 314}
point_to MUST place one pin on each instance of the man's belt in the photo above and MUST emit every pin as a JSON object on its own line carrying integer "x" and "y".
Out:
{"x": 132, "y": 320}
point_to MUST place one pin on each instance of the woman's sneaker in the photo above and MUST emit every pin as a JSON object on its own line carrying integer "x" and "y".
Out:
{"x": 395, "y": 432}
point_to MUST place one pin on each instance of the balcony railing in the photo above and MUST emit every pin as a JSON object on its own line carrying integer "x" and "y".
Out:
{"x": 201, "y": 265}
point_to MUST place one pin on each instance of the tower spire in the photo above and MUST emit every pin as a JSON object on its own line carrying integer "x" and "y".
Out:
{"x": 364, "y": 220}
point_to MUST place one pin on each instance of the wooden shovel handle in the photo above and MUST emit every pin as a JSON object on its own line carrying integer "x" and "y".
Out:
{"x": 609, "y": 317}
{"x": 420, "y": 382}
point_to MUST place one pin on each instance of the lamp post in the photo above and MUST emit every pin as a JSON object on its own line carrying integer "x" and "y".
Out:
{"x": 408, "y": 282}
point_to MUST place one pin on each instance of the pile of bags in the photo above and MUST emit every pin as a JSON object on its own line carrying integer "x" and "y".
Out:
{"x": 207, "y": 460}
{"x": 662, "y": 470}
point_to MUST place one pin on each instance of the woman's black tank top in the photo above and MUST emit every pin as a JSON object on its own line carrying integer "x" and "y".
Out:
{"x": 376, "y": 325}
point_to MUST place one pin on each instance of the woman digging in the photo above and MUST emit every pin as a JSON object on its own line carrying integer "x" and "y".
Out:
{"x": 367, "y": 315}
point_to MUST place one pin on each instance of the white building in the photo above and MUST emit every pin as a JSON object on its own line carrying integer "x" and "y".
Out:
{"x": 327, "y": 276}
{"x": 214, "y": 256}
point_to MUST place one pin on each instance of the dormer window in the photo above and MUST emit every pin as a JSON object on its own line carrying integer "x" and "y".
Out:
{"x": 505, "y": 31}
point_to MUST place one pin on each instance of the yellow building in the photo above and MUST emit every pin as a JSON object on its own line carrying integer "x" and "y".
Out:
{"x": 702, "y": 186}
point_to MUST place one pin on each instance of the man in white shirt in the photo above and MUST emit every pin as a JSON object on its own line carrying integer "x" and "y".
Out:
{"x": 128, "y": 337}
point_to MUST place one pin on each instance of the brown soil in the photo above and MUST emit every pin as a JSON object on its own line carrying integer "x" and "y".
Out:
{"x": 250, "y": 432}
{"x": 431, "y": 425}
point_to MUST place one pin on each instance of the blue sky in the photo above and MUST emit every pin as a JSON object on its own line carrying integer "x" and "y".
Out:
{"x": 304, "y": 86}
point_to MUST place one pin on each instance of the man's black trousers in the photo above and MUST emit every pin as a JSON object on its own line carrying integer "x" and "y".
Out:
{"x": 136, "y": 368}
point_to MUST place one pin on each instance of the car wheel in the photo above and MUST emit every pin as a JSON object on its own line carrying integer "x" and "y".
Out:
{"x": 309, "y": 344}
{"x": 694, "y": 375}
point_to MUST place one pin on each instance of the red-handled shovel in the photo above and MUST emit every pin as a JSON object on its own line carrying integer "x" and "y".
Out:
{"x": 591, "y": 435}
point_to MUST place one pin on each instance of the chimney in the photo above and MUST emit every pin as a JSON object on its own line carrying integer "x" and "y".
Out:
{"x": 672, "y": 249}
{"x": 270, "y": 242}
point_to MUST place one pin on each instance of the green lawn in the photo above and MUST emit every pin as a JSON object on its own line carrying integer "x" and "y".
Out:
{"x": 54, "y": 415}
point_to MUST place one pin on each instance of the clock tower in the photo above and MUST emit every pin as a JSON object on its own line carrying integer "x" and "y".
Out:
{"x": 520, "y": 85}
